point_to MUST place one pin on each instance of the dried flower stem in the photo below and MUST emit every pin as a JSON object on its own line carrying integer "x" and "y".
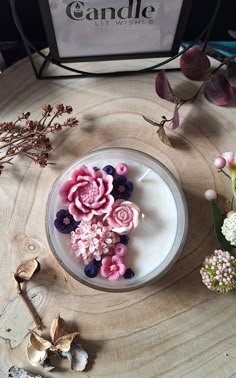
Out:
{"x": 35, "y": 317}
{"x": 30, "y": 137}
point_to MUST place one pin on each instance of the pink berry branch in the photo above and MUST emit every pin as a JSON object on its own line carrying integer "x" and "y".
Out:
{"x": 31, "y": 137}
{"x": 216, "y": 86}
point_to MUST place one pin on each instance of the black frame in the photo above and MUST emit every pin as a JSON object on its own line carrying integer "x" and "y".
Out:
{"x": 51, "y": 37}
{"x": 78, "y": 73}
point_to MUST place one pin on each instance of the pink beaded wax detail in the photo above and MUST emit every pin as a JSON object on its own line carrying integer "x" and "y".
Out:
{"x": 101, "y": 218}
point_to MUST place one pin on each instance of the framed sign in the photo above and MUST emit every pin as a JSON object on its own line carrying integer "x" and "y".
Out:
{"x": 91, "y": 30}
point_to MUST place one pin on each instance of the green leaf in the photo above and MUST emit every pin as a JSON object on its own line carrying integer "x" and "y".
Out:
{"x": 218, "y": 219}
{"x": 233, "y": 179}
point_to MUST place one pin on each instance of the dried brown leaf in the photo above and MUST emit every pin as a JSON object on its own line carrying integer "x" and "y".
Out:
{"x": 151, "y": 122}
{"x": 64, "y": 343}
{"x": 38, "y": 342}
{"x": 163, "y": 137}
{"x": 57, "y": 329}
{"x": 26, "y": 270}
{"x": 78, "y": 356}
{"x": 36, "y": 357}
{"x": 175, "y": 120}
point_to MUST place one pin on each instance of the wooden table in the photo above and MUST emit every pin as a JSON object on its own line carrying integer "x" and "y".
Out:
{"x": 173, "y": 328}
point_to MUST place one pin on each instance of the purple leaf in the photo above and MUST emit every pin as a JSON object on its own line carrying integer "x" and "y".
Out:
{"x": 218, "y": 90}
{"x": 232, "y": 33}
{"x": 194, "y": 64}
{"x": 175, "y": 121}
{"x": 163, "y": 88}
{"x": 231, "y": 74}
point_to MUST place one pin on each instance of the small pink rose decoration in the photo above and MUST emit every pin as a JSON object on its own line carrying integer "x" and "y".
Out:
{"x": 88, "y": 193}
{"x": 112, "y": 267}
{"x": 124, "y": 217}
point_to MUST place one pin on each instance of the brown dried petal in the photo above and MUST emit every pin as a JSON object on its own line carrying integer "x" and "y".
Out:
{"x": 151, "y": 122}
{"x": 64, "y": 343}
{"x": 175, "y": 121}
{"x": 39, "y": 342}
{"x": 26, "y": 270}
{"x": 57, "y": 329}
{"x": 36, "y": 357}
{"x": 78, "y": 357}
{"x": 163, "y": 137}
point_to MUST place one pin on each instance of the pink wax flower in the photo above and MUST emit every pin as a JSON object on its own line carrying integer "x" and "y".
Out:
{"x": 88, "y": 193}
{"x": 92, "y": 240}
{"x": 124, "y": 217}
{"x": 112, "y": 267}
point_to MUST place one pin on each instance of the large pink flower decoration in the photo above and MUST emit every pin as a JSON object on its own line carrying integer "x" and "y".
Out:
{"x": 88, "y": 193}
{"x": 124, "y": 217}
{"x": 112, "y": 267}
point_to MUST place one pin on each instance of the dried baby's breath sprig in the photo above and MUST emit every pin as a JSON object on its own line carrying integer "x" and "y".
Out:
{"x": 61, "y": 344}
{"x": 24, "y": 273}
{"x": 30, "y": 137}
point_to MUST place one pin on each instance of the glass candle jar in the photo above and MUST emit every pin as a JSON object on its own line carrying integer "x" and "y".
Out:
{"x": 154, "y": 245}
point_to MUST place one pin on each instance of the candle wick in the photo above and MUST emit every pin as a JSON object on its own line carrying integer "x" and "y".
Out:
{"x": 144, "y": 175}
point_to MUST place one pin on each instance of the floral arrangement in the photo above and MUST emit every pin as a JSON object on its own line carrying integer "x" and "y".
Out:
{"x": 99, "y": 218}
{"x": 219, "y": 269}
{"x": 29, "y": 138}
{"x": 217, "y": 85}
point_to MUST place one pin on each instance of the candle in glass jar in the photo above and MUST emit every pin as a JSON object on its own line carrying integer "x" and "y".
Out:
{"x": 155, "y": 243}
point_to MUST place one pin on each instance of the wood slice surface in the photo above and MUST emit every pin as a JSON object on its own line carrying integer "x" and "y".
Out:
{"x": 173, "y": 328}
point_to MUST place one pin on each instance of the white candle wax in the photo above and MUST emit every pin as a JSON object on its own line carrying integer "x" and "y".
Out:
{"x": 154, "y": 244}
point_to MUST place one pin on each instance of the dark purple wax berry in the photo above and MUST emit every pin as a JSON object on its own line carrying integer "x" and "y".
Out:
{"x": 124, "y": 239}
{"x": 96, "y": 169}
{"x": 128, "y": 274}
{"x": 97, "y": 263}
{"x": 91, "y": 270}
{"x": 109, "y": 170}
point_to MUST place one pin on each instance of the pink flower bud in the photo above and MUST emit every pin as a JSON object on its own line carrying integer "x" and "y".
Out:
{"x": 230, "y": 213}
{"x": 120, "y": 249}
{"x": 220, "y": 162}
{"x": 122, "y": 169}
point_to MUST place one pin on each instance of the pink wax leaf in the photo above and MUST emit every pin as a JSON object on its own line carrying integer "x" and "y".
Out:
{"x": 163, "y": 88}
{"x": 195, "y": 64}
{"x": 231, "y": 74}
{"x": 175, "y": 120}
{"x": 218, "y": 90}
{"x": 232, "y": 33}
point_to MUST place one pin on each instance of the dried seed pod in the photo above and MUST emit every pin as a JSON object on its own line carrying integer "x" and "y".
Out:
{"x": 38, "y": 342}
{"x": 26, "y": 270}
{"x": 36, "y": 357}
{"x": 57, "y": 329}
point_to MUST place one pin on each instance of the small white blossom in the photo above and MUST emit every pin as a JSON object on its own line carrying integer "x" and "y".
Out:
{"x": 229, "y": 229}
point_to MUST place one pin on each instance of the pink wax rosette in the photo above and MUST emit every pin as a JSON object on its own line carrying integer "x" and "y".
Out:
{"x": 99, "y": 216}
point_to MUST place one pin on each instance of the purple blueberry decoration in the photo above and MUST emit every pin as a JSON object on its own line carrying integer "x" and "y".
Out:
{"x": 65, "y": 222}
{"x": 122, "y": 188}
{"x": 124, "y": 239}
{"x": 109, "y": 169}
{"x": 128, "y": 274}
{"x": 91, "y": 270}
